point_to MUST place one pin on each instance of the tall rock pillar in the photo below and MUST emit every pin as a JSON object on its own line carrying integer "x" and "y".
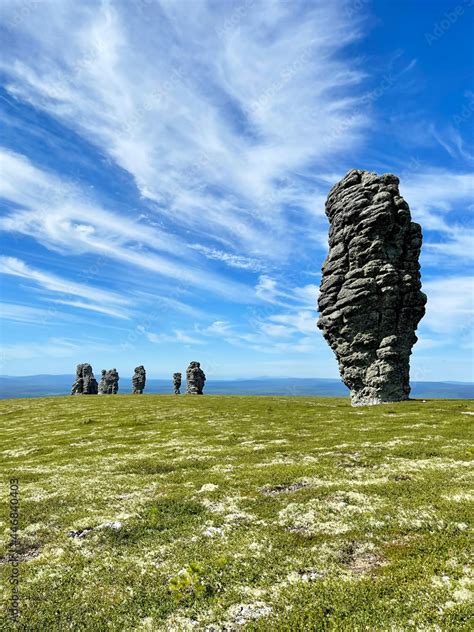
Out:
{"x": 370, "y": 298}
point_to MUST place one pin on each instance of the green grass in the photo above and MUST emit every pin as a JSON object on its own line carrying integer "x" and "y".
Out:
{"x": 270, "y": 513}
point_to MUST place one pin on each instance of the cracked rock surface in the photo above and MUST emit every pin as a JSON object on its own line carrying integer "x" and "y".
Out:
{"x": 370, "y": 300}
{"x": 138, "y": 380}
{"x": 108, "y": 384}
{"x": 195, "y": 379}
{"x": 85, "y": 383}
{"x": 177, "y": 383}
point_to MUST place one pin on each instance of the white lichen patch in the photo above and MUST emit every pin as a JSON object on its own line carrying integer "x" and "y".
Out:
{"x": 227, "y": 505}
{"x": 330, "y": 515}
{"x": 241, "y": 613}
{"x": 401, "y": 465}
{"x": 208, "y": 487}
{"x": 41, "y": 496}
{"x": 258, "y": 547}
{"x": 238, "y": 517}
{"x": 176, "y": 623}
{"x": 356, "y": 477}
{"x": 210, "y": 531}
{"x": 277, "y": 461}
{"x": 223, "y": 468}
{"x": 19, "y": 452}
{"x": 252, "y": 592}
{"x": 393, "y": 443}
{"x": 114, "y": 524}
{"x": 459, "y": 497}
{"x": 147, "y": 624}
{"x": 424, "y": 518}
{"x": 302, "y": 576}
{"x": 34, "y": 527}
{"x": 457, "y": 590}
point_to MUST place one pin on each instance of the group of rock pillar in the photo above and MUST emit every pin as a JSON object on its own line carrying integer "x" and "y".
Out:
{"x": 86, "y": 384}
{"x": 195, "y": 379}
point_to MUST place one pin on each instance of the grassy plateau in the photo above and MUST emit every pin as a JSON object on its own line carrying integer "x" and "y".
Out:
{"x": 212, "y": 513}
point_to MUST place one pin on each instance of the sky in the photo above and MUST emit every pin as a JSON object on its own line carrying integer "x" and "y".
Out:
{"x": 164, "y": 166}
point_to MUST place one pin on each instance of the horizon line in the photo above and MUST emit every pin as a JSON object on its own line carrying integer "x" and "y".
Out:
{"x": 247, "y": 379}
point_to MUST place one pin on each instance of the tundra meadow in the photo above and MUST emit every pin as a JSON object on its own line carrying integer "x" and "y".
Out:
{"x": 256, "y": 513}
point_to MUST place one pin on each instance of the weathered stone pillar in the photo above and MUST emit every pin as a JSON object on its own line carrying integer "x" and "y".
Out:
{"x": 195, "y": 379}
{"x": 138, "y": 380}
{"x": 85, "y": 383}
{"x": 177, "y": 383}
{"x": 370, "y": 298}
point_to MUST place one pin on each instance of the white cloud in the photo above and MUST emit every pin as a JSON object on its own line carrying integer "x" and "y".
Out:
{"x": 456, "y": 246}
{"x": 450, "y": 306}
{"x": 441, "y": 201}
{"x": 232, "y": 260}
{"x": 53, "y": 348}
{"x": 178, "y": 336}
{"x": 24, "y": 313}
{"x": 266, "y": 289}
{"x": 218, "y": 122}
{"x": 60, "y": 215}
{"x": 97, "y": 297}
{"x": 272, "y": 330}
{"x": 218, "y": 327}
{"x": 271, "y": 291}
{"x": 452, "y": 142}
{"x": 433, "y": 194}
{"x": 101, "y": 309}
{"x": 303, "y": 321}
{"x": 307, "y": 295}
{"x": 291, "y": 331}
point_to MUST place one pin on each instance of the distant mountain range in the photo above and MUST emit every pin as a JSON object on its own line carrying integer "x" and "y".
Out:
{"x": 51, "y": 385}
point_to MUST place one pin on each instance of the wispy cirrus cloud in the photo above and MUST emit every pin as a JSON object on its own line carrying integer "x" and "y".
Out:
{"x": 203, "y": 128}
{"x": 290, "y": 328}
{"x": 24, "y": 313}
{"x": 97, "y": 299}
{"x": 434, "y": 193}
{"x": 53, "y": 348}
{"x": 442, "y": 202}
{"x": 450, "y": 308}
{"x": 230, "y": 259}
{"x": 284, "y": 295}
{"x": 61, "y": 216}
{"x": 177, "y": 336}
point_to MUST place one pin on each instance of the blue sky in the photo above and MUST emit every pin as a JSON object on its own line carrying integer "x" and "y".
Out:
{"x": 165, "y": 164}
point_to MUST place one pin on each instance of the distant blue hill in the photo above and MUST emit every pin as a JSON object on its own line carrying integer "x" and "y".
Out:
{"x": 51, "y": 385}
